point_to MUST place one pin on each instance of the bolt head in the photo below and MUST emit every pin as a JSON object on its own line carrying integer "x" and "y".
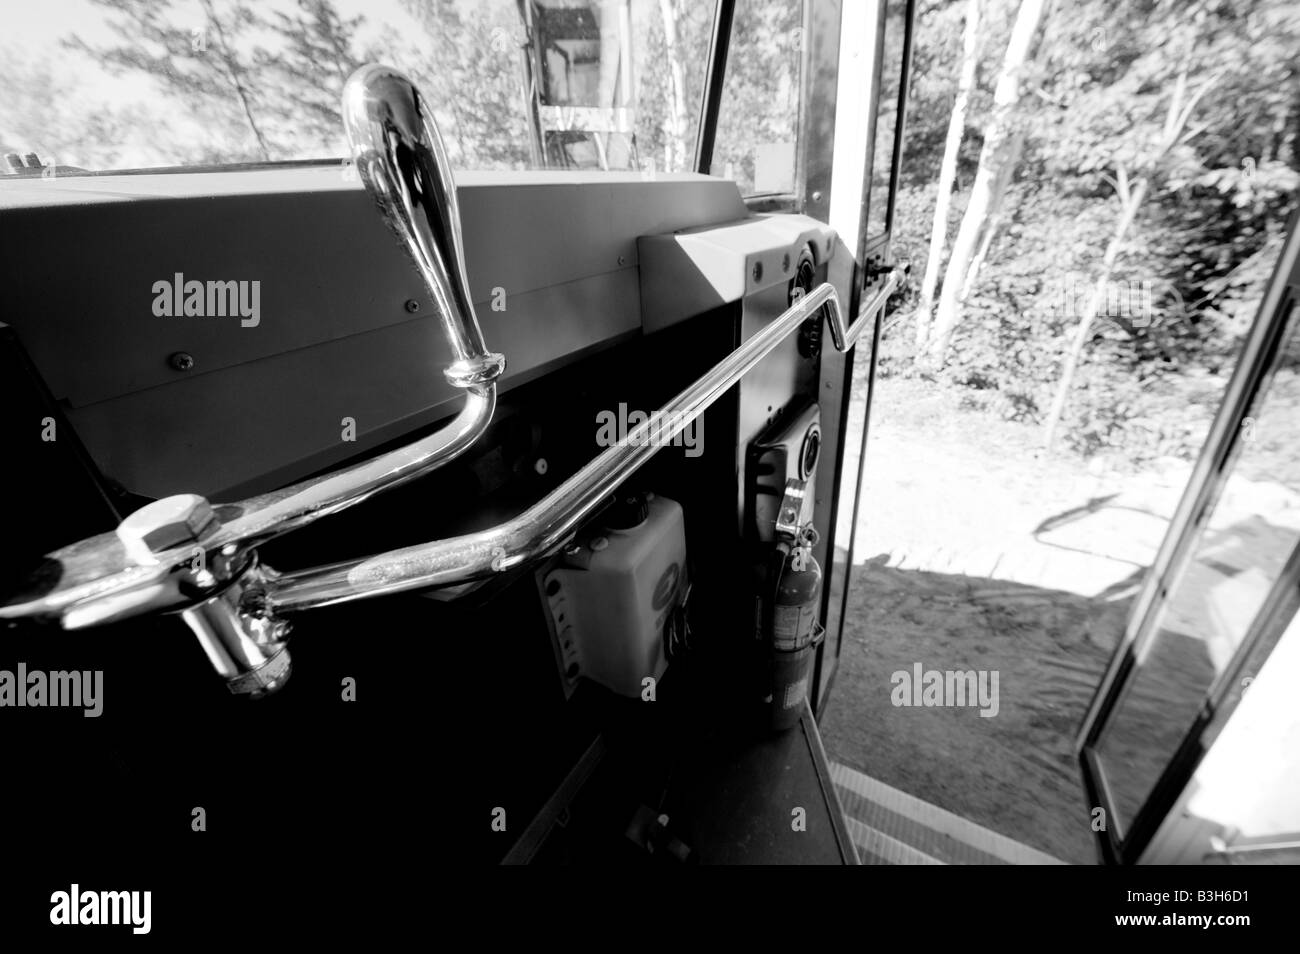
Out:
{"x": 182, "y": 520}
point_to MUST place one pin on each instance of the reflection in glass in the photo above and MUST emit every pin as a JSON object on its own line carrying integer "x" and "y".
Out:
{"x": 1246, "y": 790}
{"x": 1237, "y": 556}
{"x": 758, "y": 119}
{"x": 891, "y": 74}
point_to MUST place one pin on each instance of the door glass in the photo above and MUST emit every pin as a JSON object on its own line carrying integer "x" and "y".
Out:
{"x": 615, "y": 84}
{"x": 882, "y": 162}
{"x": 1239, "y": 553}
{"x": 758, "y": 119}
{"x": 1245, "y": 789}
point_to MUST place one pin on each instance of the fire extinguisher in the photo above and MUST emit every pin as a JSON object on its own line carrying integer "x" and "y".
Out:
{"x": 790, "y": 630}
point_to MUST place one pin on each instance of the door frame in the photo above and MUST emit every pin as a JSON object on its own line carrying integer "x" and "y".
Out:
{"x": 849, "y": 464}
{"x": 1277, "y": 319}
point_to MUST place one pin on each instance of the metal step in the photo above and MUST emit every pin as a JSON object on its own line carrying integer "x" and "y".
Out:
{"x": 890, "y": 827}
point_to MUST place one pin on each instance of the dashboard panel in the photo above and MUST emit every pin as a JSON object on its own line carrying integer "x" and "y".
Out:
{"x": 335, "y": 361}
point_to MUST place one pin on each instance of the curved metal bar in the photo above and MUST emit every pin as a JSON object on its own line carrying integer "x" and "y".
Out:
{"x": 403, "y": 163}
{"x": 545, "y": 525}
{"x": 296, "y": 506}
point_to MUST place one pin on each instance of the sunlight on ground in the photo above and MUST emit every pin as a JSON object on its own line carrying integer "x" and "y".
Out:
{"x": 976, "y": 552}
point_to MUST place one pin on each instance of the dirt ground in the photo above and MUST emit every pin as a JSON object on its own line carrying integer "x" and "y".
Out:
{"x": 1014, "y": 772}
{"x": 965, "y": 562}
{"x": 976, "y": 552}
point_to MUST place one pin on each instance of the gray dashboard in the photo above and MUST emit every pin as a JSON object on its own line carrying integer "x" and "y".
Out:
{"x": 553, "y": 261}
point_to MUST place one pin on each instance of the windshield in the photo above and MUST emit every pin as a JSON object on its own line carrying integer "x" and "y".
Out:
{"x": 101, "y": 85}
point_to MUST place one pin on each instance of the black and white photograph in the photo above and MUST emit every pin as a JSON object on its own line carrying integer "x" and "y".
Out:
{"x": 440, "y": 435}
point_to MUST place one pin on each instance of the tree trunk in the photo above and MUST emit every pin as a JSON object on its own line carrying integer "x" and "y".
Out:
{"x": 997, "y": 151}
{"x": 995, "y": 218}
{"x": 948, "y": 172}
{"x": 1180, "y": 111}
{"x": 1096, "y": 297}
{"x": 608, "y": 92}
{"x": 677, "y": 94}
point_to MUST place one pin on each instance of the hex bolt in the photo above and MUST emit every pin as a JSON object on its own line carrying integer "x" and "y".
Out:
{"x": 182, "y": 520}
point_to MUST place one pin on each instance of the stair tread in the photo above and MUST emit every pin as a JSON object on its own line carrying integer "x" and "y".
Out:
{"x": 923, "y": 829}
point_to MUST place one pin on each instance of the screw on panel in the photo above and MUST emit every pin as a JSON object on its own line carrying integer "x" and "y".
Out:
{"x": 181, "y": 361}
{"x": 412, "y": 305}
{"x": 758, "y": 271}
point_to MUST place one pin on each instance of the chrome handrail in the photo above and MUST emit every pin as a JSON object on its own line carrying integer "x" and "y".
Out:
{"x": 182, "y": 554}
{"x": 175, "y": 549}
{"x": 545, "y": 525}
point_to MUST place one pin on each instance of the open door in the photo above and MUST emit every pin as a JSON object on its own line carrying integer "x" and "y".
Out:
{"x": 1187, "y": 749}
{"x": 871, "y": 101}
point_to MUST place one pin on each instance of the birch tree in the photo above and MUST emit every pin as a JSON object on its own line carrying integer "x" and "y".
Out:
{"x": 675, "y": 138}
{"x": 997, "y": 152}
{"x": 948, "y": 171}
{"x": 1131, "y": 194}
{"x": 996, "y": 216}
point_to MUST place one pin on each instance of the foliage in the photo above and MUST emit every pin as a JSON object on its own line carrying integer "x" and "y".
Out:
{"x": 760, "y": 99}
{"x": 233, "y": 80}
{"x": 224, "y": 81}
{"x": 1202, "y": 247}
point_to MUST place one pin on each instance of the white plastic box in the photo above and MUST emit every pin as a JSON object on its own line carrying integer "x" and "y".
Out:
{"x": 610, "y": 598}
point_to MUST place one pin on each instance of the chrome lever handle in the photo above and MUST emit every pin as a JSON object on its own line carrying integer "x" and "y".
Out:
{"x": 400, "y": 156}
{"x": 183, "y": 554}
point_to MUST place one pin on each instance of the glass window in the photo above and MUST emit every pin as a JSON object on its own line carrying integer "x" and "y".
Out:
{"x": 98, "y": 85}
{"x": 1245, "y": 788}
{"x": 1239, "y": 554}
{"x": 758, "y": 120}
{"x": 891, "y": 73}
